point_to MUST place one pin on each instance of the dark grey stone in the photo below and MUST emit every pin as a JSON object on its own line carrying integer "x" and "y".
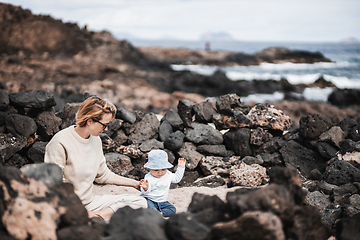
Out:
{"x": 50, "y": 174}
{"x": 165, "y": 130}
{"x": 302, "y": 158}
{"x": 146, "y": 128}
{"x": 40, "y": 99}
{"x": 4, "y": 100}
{"x": 48, "y": 124}
{"x": 326, "y": 150}
{"x": 20, "y": 124}
{"x": 10, "y": 144}
{"x": 217, "y": 150}
{"x": 183, "y": 226}
{"x": 174, "y": 119}
{"x": 175, "y": 141}
{"x": 203, "y": 134}
{"x": 238, "y": 141}
{"x": 312, "y": 126}
{"x": 151, "y": 144}
{"x": 126, "y": 115}
{"x": 36, "y": 152}
{"x": 149, "y": 224}
{"x": 185, "y": 111}
{"x": 204, "y": 111}
{"x": 340, "y": 172}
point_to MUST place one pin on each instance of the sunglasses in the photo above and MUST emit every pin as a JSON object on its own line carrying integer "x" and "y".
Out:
{"x": 103, "y": 125}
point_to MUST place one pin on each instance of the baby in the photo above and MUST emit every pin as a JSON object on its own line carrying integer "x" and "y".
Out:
{"x": 155, "y": 186}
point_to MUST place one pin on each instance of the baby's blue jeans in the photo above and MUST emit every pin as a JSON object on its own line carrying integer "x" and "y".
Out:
{"x": 165, "y": 208}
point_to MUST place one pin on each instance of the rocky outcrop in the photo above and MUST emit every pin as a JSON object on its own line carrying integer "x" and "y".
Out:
{"x": 239, "y": 153}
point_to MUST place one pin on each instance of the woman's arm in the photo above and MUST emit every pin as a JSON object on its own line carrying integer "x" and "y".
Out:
{"x": 128, "y": 182}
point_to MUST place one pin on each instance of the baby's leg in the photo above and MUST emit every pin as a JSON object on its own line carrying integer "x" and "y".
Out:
{"x": 167, "y": 208}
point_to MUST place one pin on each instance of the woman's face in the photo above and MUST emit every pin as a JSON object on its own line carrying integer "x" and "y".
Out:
{"x": 97, "y": 127}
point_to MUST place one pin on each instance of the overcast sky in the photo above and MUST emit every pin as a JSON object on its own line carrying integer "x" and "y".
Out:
{"x": 248, "y": 20}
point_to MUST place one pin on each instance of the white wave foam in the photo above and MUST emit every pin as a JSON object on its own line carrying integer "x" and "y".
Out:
{"x": 317, "y": 94}
{"x": 199, "y": 69}
{"x": 343, "y": 82}
{"x": 262, "y": 98}
{"x": 304, "y": 66}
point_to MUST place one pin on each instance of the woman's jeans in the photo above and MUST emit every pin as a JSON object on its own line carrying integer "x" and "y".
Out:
{"x": 165, "y": 208}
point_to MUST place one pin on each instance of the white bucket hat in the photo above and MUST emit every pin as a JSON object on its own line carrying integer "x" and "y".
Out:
{"x": 157, "y": 159}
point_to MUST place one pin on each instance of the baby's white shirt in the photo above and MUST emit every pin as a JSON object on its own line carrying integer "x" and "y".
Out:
{"x": 158, "y": 189}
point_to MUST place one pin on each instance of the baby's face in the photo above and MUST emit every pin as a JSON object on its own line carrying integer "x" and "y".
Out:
{"x": 158, "y": 173}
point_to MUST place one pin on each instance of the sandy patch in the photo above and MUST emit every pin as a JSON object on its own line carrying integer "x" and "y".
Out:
{"x": 179, "y": 197}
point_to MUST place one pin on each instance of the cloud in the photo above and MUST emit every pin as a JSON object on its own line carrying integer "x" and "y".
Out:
{"x": 276, "y": 20}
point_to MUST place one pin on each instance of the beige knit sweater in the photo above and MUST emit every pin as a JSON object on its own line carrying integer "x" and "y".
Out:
{"x": 82, "y": 161}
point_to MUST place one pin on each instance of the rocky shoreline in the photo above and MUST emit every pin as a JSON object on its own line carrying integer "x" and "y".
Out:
{"x": 311, "y": 171}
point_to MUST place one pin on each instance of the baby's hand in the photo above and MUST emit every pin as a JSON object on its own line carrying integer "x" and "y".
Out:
{"x": 144, "y": 184}
{"x": 181, "y": 162}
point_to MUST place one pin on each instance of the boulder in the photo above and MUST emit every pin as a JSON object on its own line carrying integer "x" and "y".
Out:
{"x": 340, "y": 172}
{"x": 348, "y": 228}
{"x": 268, "y": 117}
{"x": 203, "y": 112}
{"x": 203, "y": 134}
{"x": 40, "y": 99}
{"x": 119, "y": 164}
{"x": 312, "y": 126}
{"x": 175, "y": 141}
{"x": 192, "y": 157}
{"x": 326, "y": 150}
{"x": 259, "y": 136}
{"x": 150, "y": 224}
{"x": 4, "y": 100}
{"x": 228, "y": 103}
{"x": 267, "y": 224}
{"x": 126, "y": 115}
{"x": 16, "y": 160}
{"x": 183, "y": 226}
{"x": 36, "y": 152}
{"x": 68, "y": 114}
{"x": 270, "y": 159}
{"x": 248, "y": 175}
{"x": 211, "y": 165}
{"x": 211, "y": 181}
{"x": 207, "y": 209}
{"x": 50, "y": 174}
{"x": 151, "y": 144}
{"x": 165, "y": 130}
{"x": 20, "y": 124}
{"x": 48, "y": 124}
{"x": 214, "y": 150}
{"x": 238, "y": 141}
{"x": 10, "y": 144}
{"x": 174, "y": 119}
{"x": 302, "y": 158}
{"x": 145, "y": 129}
{"x": 185, "y": 111}
{"x": 222, "y": 122}
{"x": 333, "y": 136}
{"x": 344, "y": 97}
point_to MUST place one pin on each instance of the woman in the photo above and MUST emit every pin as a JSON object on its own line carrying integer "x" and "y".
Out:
{"x": 78, "y": 151}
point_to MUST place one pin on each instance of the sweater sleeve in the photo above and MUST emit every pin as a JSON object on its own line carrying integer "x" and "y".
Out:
{"x": 56, "y": 153}
{"x": 178, "y": 175}
{"x": 104, "y": 175}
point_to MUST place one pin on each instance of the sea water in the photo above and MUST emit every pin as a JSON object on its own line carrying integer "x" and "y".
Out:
{"x": 343, "y": 71}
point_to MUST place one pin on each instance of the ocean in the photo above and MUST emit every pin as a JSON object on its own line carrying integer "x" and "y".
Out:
{"x": 343, "y": 71}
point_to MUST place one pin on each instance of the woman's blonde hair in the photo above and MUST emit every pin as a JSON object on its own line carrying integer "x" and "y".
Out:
{"x": 94, "y": 108}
